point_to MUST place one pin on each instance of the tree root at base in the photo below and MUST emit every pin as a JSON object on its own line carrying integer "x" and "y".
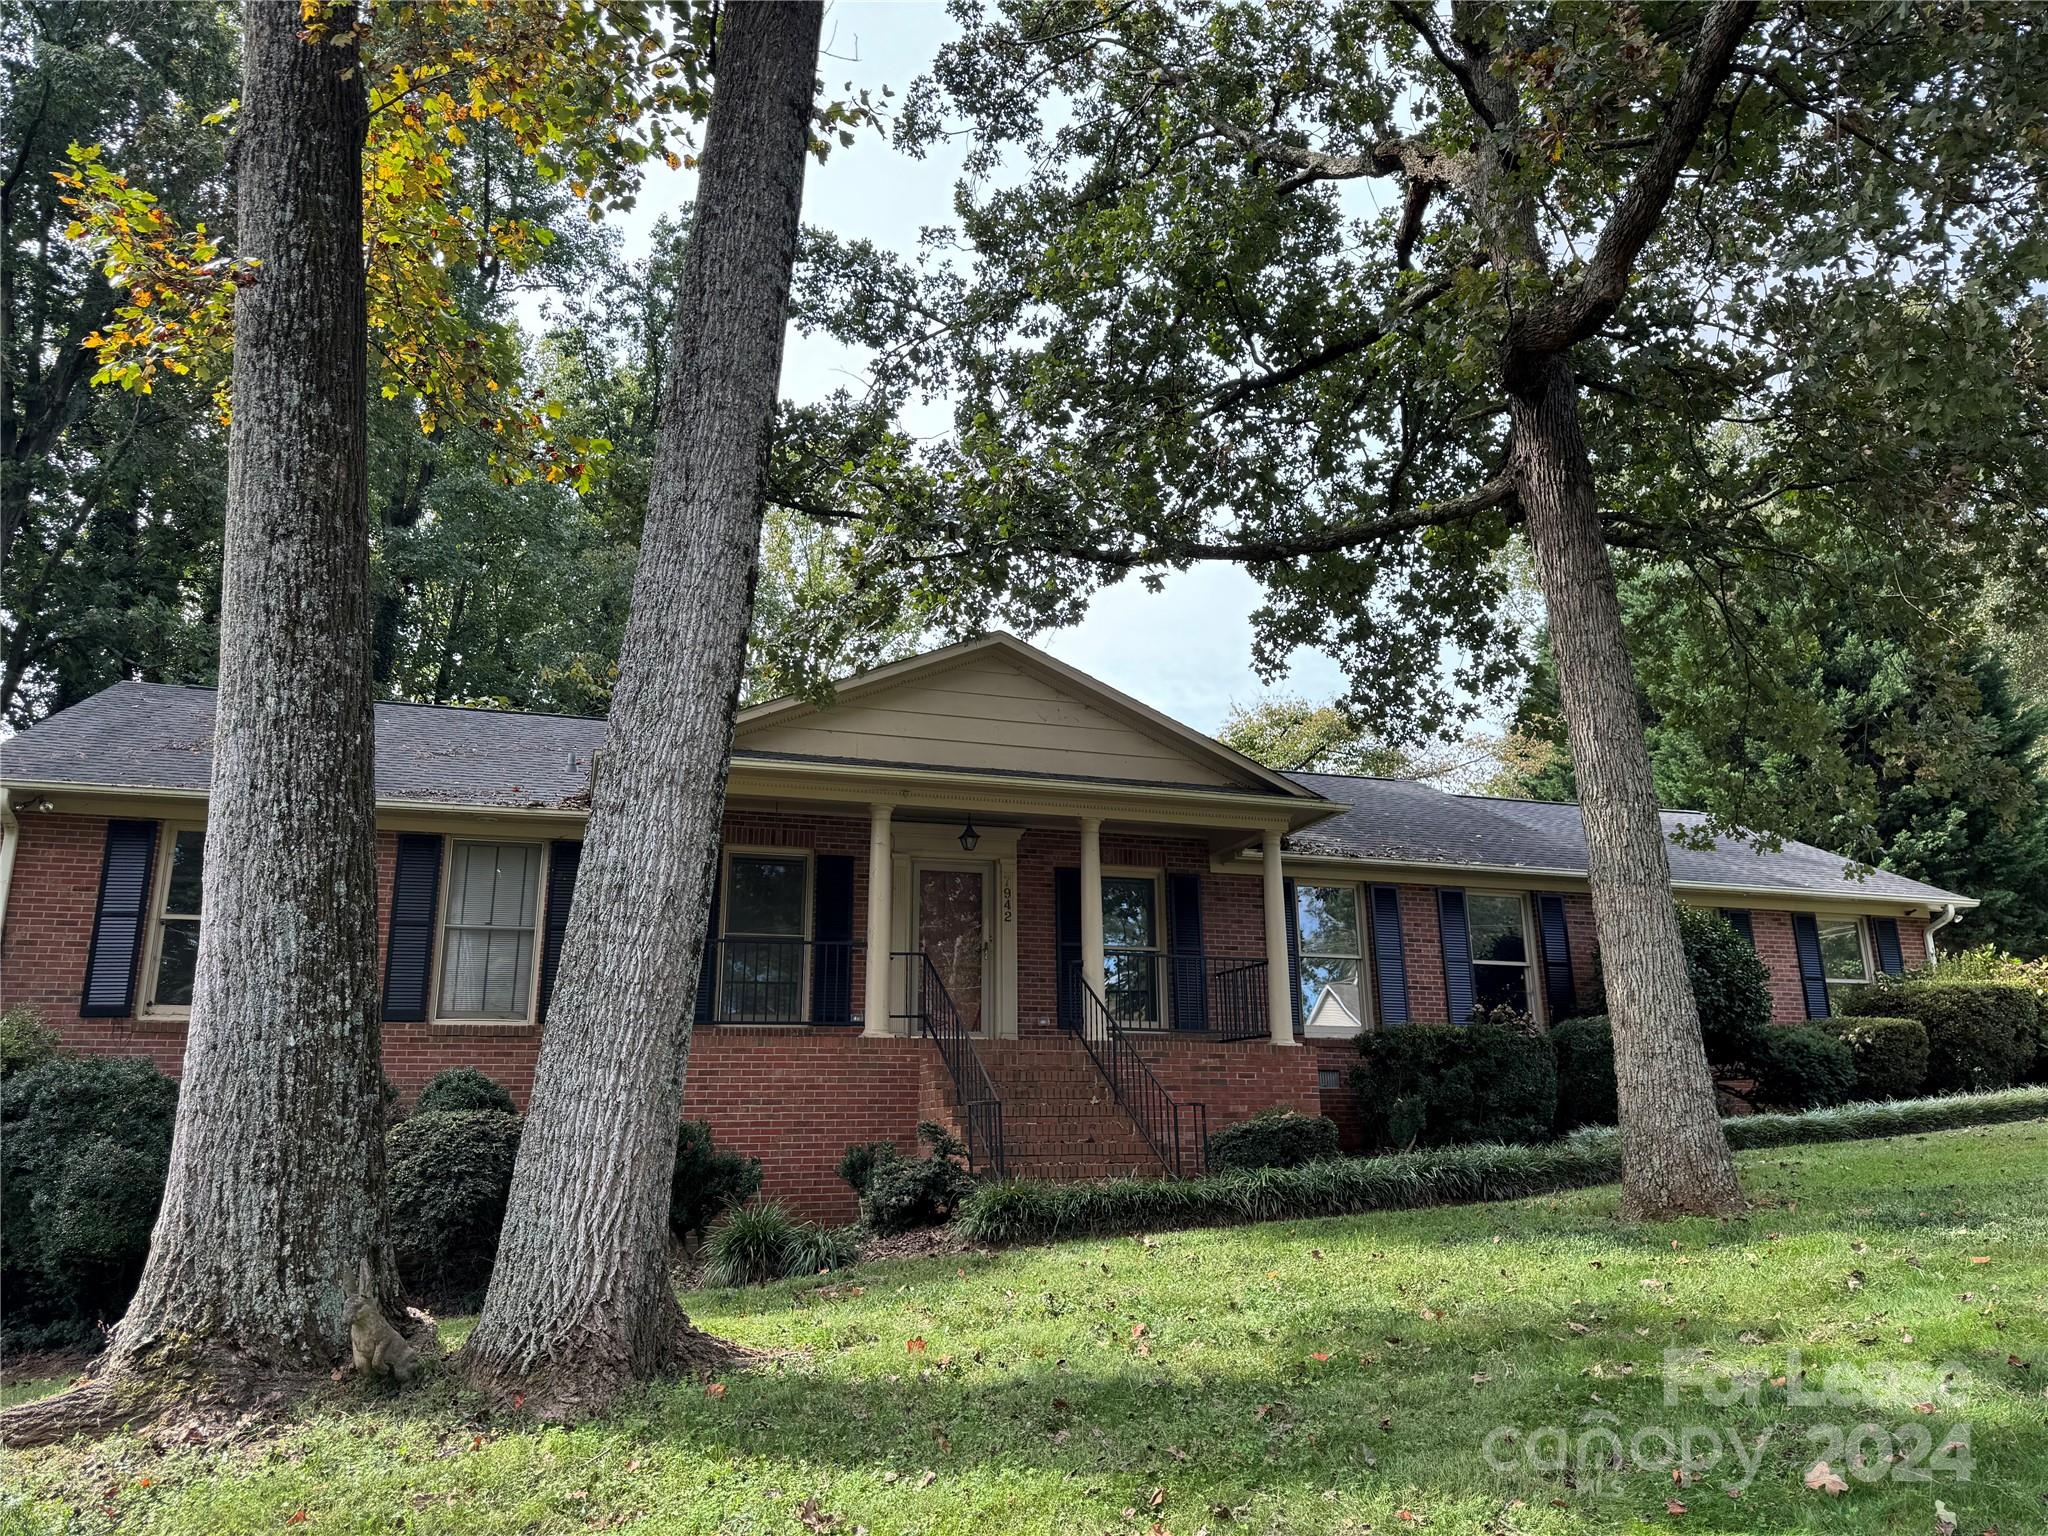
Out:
{"x": 580, "y": 1383}
{"x": 210, "y": 1393}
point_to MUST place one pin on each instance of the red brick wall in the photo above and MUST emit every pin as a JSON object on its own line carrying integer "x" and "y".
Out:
{"x": 1773, "y": 934}
{"x": 1341, "y": 1102}
{"x": 797, "y": 1098}
{"x": 1423, "y": 952}
{"x": 1235, "y": 1081}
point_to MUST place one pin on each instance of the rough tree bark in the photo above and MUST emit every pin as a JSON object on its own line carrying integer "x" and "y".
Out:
{"x": 580, "y": 1300}
{"x": 276, "y": 1179}
{"x": 1675, "y": 1158}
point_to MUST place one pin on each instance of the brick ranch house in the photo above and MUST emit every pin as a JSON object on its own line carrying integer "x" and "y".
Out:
{"x": 1095, "y": 932}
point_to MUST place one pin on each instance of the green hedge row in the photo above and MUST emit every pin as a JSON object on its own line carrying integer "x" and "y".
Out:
{"x": 1013, "y": 1211}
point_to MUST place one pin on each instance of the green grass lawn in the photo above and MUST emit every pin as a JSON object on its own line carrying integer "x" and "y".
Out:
{"x": 1305, "y": 1377}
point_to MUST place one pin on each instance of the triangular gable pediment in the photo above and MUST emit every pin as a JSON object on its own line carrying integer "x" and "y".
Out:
{"x": 997, "y": 705}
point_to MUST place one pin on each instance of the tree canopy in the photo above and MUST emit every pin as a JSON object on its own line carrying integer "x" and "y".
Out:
{"x": 1218, "y": 289}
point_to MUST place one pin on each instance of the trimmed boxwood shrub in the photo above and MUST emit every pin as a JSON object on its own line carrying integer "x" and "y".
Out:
{"x": 1434, "y": 1085}
{"x": 1980, "y": 1035}
{"x": 1273, "y": 1138}
{"x": 1891, "y": 1054}
{"x": 1799, "y": 1067}
{"x": 450, "y": 1175}
{"x": 903, "y": 1193}
{"x": 857, "y": 1164}
{"x": 707, "y": 1182}
{"x": 85, "y": 1145}
{"x": 1584, "y": 1049}
{"x": 1731, "y": 985}
{"x": 460, "y": 1088}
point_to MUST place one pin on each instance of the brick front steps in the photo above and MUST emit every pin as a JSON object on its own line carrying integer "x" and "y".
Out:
{"x": 1060, "y": 1121}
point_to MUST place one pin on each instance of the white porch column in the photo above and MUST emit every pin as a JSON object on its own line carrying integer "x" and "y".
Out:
{"x": 881, "y": 887}
{"x": 1091, "y": 904}
{"x": 1279, "y": 985}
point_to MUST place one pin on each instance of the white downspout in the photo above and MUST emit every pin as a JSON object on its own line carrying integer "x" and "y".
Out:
{"x": 10, "y": 839}
{"x": 1950, "y": 913}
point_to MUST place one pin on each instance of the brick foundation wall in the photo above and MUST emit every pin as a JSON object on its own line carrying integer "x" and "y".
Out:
{"x": 1340, "y": 1103}
{"x": 798, "y": 1098}
{"x": 1236, "y": 1080}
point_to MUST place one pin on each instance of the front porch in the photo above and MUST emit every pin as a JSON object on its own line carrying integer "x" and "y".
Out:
{"x": 1044, "y": 961}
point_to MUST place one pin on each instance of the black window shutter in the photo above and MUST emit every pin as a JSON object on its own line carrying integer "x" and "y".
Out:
{"x": 707, "y": 964}
{"x": 409, "y": 953}
{"x": 1813, "y": 979}
{"x": 1066, "y": 946}
{"x": 1293, "y": 950}
{"x": 1389, "y": 955}
{"x": 1184, "y": 933}
{"x": 1884, "y": 936}
{"x": 1558, "y": 990}
{"x": 118, "y": 921}
{"x": 832, "y": 935}
{"x": 564, "y": 855}
{"x": 1455, "y": 935}
{"x": 1738, "y": 919}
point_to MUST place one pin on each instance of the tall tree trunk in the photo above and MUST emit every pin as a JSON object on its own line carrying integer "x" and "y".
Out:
{"x": 580, "y": 1301}
{"x": 1674, "y": 1156}
{"x": 276, "y": 1180}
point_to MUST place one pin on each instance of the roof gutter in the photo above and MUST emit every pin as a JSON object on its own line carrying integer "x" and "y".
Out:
{"x": 1956, "y": 905}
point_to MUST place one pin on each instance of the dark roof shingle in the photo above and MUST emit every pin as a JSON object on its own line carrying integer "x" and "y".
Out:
{"x": 1399, "y": 821}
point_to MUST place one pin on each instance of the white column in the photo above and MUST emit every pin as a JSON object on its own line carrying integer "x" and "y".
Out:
{"x": 881, "y": 886}
{"x": 1091, "y": 905}
{"x": 1279, "y": 985}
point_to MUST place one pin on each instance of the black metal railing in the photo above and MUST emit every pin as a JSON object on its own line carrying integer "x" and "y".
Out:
{"x": 782, "y": 981}
{"x": 1220, "y": 996}
{"x": 1178, "y": 1132}
{"x": 931, "y": 1011}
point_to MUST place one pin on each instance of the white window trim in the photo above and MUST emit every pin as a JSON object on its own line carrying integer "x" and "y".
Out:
{"x": 1368, "y": 1000}
{"x": 1863, "y": 947}
{"x": 807, "y": 857}
{"x": 1162, "y": 963}
{"x": 1532, "y": 952}
{"x": 159, "y": 892}
{"x": 449, "y": 840}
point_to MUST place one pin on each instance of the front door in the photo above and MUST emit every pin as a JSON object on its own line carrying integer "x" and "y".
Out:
{"x": 952, "y": 930}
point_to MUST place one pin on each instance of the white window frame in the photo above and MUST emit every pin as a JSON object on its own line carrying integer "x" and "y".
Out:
{"x": 159, "y": 893}
{"x": 1361, "y": 903}
{"x": 1161, "y": 964}
{"x": 449, "y": 842}
{"x": 807, "y": 858}
{"x": 1532, "y": 954}
{"x": 1821, "y": 921}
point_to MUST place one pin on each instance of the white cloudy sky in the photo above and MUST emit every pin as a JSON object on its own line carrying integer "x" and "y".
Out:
{"x": 1186, "y": 650}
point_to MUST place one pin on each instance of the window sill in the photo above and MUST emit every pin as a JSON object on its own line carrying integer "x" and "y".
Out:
{"x": 472, "y": 1028}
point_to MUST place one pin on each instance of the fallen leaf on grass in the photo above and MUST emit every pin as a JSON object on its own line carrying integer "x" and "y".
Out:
{"x": 914, "y": 1346}
{"x": 1672, "y": 1506}
{"x": 926, "y": 1478}
{"x": 1823, "y": 1478}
